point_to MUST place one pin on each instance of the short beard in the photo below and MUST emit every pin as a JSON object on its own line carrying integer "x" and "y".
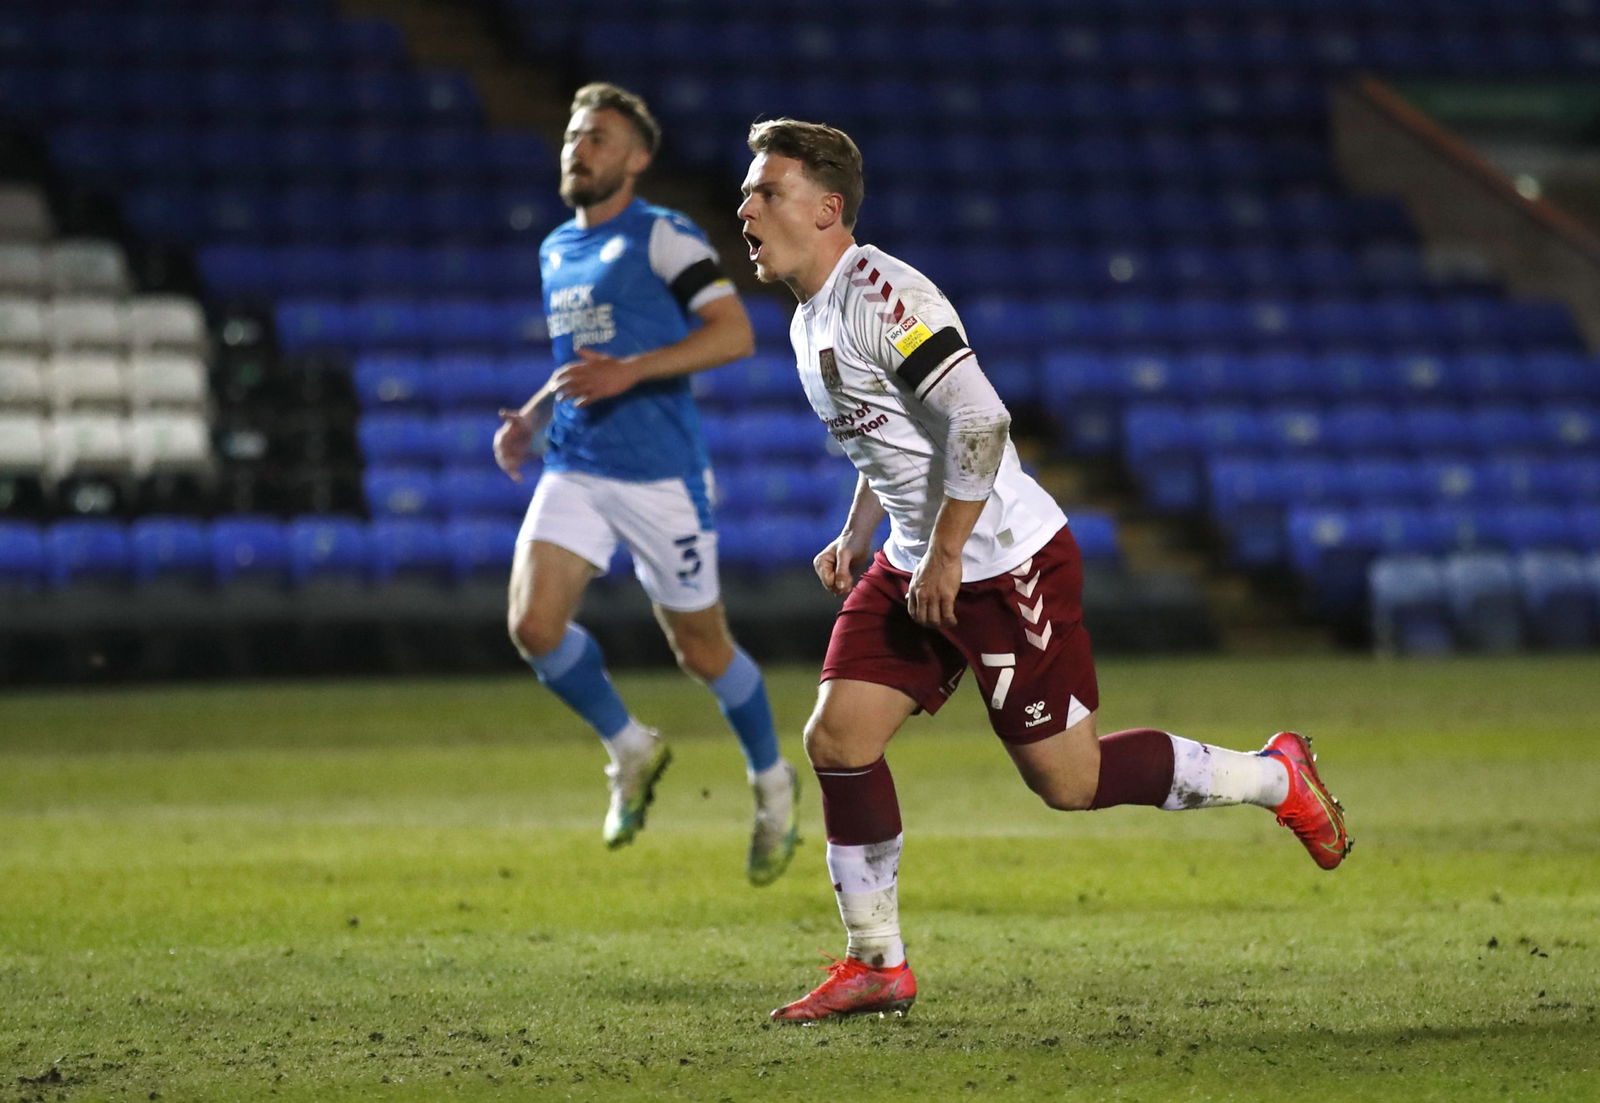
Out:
{"x": 580, "y": 195}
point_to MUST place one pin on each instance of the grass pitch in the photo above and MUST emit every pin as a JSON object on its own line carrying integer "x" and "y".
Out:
{"x": 396, "y": 890}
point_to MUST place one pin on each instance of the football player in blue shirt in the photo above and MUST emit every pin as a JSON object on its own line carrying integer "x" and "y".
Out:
{"x": 636, "y": 302}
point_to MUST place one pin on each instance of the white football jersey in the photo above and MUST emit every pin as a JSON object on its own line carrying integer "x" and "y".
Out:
{"x": 870, "y": 346}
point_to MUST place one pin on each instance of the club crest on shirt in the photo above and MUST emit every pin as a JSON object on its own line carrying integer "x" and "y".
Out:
{"x": 829, "y": 368}
{"x": 613, "y": 248}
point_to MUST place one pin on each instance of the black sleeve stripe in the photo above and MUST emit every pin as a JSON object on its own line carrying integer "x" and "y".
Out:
{"x": 695, "y": 279}
{"x": 929, "y": 355}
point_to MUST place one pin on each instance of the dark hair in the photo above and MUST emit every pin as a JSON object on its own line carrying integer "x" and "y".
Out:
{"x": 623, "y": 102}
{"x": 831, "y": 159}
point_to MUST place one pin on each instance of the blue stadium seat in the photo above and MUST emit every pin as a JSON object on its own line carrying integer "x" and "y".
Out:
{"x": 1536, "y": 527}
{"x": 1453, "y": 481}
{"x": 402, "y": 491}
{"x": 1096, "y": 535}
{"x": 22, "y": 557}
{"x": 408, "y": 549}
{"x": 398, "y": 438}
{"x": 483, "y": 491}
{"x": 1387, "y": 482}
{"x": 1577, "y": 480}
{"x": 1561, "y": 608}
{"x": 328, "y": 549}
{"x": 93, "y": 550}
{"x": 480, "y": 549}
{"x": 1505, "y": 428}
{"x": 1409, "y": 612}
{"x": 480, "y": 383}
{"x": 170, "y": 548}
{"x": 253, "y": 549}
{"x": 1330, "y": 549}
{"x": 1485, "y": 601}
{"x": 394, "y": 381}
{"x": 1571, "y": 427}
{"x": 1436, "y": 431}
{"x": 1363, "y": 429}
{"x": 1160, "y": 444}
{"x": 467, "y": 438}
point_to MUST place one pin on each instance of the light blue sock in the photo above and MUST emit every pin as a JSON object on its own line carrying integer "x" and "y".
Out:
{"x": 576, "y": 672}
{"x": 743, "y": 697}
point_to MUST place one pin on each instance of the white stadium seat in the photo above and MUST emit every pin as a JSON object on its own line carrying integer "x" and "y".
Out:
{"x": 167, "y": 379}
{"x": 24, "y": 216}
{"x": 24, "y": 443}
{"x": 86, "y": 266}
{"x": 22, "y": 269}
{"x": 85, "y": 321}
{"x": 21, "y": 323}
{"x": 22, "y": 384}
{"x": 173, "y": 322}
{"x": 168, "y": 441}
{"x": 84, "y": 443}
{"x": 87, "y": 380}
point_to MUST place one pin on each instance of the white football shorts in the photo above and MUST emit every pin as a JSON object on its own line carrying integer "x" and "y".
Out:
{"x": 661, "y": 523}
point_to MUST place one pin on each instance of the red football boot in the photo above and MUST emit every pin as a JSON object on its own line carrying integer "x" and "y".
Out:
{"x": 853, "y": 988}
{"x": 1316, "y": 818}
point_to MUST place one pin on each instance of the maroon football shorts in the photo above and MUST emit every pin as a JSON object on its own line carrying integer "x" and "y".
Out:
{"x": 1021, "y": 632}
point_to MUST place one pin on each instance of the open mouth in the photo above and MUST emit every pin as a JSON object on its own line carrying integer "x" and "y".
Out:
{"x": 754, "y": 243}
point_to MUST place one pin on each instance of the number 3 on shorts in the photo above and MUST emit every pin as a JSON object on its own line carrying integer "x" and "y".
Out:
{"x": 691, "y": 557}
{"x": 1007, "y": 662}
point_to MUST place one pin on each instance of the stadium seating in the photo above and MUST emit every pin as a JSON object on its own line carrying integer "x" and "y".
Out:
{"x": 1208, "y": 306}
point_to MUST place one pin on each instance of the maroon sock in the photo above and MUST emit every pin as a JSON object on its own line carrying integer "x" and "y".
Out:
{"x": 1135, "y": 768}
{"x": 859, "y": 805}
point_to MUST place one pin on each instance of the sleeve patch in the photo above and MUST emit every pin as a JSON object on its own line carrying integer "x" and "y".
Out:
{"x": 928, "y": 354}
{"x": 908, "y": 334}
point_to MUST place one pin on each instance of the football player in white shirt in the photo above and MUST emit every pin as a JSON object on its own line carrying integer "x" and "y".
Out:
{"x": 980, "y": 570}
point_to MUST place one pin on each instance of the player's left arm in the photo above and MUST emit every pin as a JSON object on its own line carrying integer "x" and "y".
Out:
{"x": 683, "y": 259}
{"x": 977, "y": 428}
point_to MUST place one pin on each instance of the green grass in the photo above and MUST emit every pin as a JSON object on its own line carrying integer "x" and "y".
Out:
{"x": 396, "y": 890}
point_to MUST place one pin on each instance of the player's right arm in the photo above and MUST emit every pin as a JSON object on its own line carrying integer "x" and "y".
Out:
{"x": 838, "y": 564}
{"x": 520, "y": 428}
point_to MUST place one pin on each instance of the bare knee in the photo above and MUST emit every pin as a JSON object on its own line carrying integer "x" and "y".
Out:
{"x": 703, "y": 659}
{"x": 533, "y": 634}
{"x": 823, "y": 742}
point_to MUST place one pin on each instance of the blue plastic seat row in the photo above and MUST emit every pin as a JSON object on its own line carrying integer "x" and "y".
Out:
{"x": 175, "y": 97}
{"x": 329, "y": 215}
{"x": 1158, "y": 218}
{"x": 638, "y": 42}
{"x": 971, "y": 102}
{"x": 1443, "y": 382}
{"x": 418, "y": 439}
{"x": 233, "y": 549}
{"x": 1361, "y": 429}
{"x": 74, "y": 34}
{"x": 1484, "y": 601}
{"x": 1311, "y": 269}
{"x": 1393, "y": 322}
{"x": 446, "y": 325}
{"x": 267, "y": 158}
{"x": 1238, "y": 484}
{"x": 273, "y": 272}
{"x": 1332, "y": 548}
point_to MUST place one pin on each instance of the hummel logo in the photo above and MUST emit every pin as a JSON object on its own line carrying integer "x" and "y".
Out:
{"x": 1036, "y": 711}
